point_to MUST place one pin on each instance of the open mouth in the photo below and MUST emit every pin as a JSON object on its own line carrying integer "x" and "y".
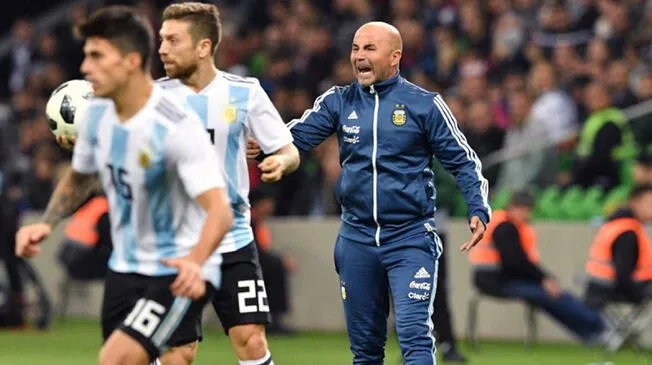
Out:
{"x": 363, "y": 70}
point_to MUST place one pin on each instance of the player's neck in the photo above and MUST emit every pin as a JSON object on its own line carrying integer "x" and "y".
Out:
{"x": 133, "y": 97}
{"x": 204, "y": 75}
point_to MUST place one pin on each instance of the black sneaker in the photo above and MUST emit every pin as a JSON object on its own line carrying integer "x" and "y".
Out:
{"x": 453, "y": 356}
{"x": 44, "y": 318}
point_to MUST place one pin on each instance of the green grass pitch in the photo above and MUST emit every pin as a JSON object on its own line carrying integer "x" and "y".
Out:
{"x": 76, "y": 342}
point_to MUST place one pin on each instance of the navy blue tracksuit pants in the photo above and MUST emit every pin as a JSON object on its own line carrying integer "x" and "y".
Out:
{"x": 367, "y": 273}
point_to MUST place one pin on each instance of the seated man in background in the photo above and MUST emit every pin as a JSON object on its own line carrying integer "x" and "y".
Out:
{"x": 87, "y": 241}
{"x": 620, "y": 259}
{"x": 506, "y": 264}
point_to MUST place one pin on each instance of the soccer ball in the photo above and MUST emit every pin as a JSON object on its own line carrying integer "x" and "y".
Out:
{"x": 66, "y": 103}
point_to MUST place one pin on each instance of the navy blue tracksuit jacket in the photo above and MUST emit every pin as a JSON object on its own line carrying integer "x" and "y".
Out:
{"x": 388, "y": 133}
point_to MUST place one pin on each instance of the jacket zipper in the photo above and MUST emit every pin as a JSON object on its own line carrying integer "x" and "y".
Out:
{"x": 373, "y": 164}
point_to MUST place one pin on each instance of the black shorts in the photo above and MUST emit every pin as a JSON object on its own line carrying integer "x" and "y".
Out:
{"x": 145, "y": 309}
{"x": 242, "y": 298}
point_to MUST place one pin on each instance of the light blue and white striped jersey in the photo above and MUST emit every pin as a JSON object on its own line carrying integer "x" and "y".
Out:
{"x": 231, "y": 108}
{"x": 152, "y": 168}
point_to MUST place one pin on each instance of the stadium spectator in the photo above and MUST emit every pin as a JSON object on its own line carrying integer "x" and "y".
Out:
{"x": 618, "y": 84}
{"x": 40, "y": 181}
{"x": 576, "y": 91}
{"x": 644, "y": 91}
{"x": 642, "y": 124}
{"x": 473, "y": 77}
{"x": 552, "y": 101}
{"x": 514, "y": 81}
{"x": 446, "y": 56}
{"x": 68, "y": 43}
{"x": 21, "y": 55}
{"x": 508, "y": 40}
{"x": 606, "y": 142}
{"x": 507, "y": 264}
{"x": 597, "y": 59}
{"x": 534, "y": 160}
{"x": 474, "y": 27}
{"x": 458, "y": 108}
{"x": 483, "y": 136}
{"x": 568, "y": 63}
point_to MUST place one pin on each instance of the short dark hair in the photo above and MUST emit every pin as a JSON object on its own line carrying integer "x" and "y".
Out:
{"x": 124, "y": 28}
{"x": 640, "y": 190}
{"x": 522, "y": 199}
{"x": 645, "y": 158}
{"x": 204, "y": 20}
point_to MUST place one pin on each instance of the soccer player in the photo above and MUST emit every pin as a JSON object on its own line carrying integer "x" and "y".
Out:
{"x": 168, "y": 206}
{"x": 388, "y": 131}
{"x": 231, "y": 108}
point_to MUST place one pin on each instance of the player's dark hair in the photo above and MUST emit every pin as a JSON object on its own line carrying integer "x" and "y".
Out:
{"x": 124, "y": 28}
{"x": 522, "y": 199}
{"x": 645, "y": 158}
{"x": 640, "y": 190}
{"x": 204, "y": 20}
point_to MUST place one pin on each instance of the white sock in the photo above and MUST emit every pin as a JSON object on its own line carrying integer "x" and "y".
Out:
{"x": 265, "y": 360}
{"x": 156, "y": 362}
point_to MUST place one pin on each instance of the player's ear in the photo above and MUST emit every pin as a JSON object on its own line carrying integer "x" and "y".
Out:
{"x": 133, "y": 60}
{"x": 396, "y": 57}
{"x": 204, "y": 48}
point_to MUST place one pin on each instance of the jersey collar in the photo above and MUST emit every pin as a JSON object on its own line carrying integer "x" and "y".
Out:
{"x": 218, "y": 76}
{"x": 383, "y": 86}
{"x": 139, "y": 118}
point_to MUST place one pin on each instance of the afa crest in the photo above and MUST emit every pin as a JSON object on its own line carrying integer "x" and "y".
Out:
{"x": 145, "y": 157}
{"x": 229, "y": 113}
{"x": 399, "y": 116}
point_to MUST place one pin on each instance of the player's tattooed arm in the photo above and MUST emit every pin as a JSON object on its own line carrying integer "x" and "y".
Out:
{"x": 72, "y": 190}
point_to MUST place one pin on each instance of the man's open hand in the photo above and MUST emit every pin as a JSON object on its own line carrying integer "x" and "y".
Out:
{"x": 477, "y": 231}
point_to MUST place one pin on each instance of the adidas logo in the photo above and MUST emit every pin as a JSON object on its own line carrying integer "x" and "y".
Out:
{"x": 353, "y": 115}
{"x": 422, "y": 274}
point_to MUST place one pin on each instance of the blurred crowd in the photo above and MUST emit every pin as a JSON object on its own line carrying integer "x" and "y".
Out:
{"x": 524, "y": 79}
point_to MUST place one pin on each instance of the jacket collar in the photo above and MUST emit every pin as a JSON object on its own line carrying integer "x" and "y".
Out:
{"x": 626, "y": 212}
{"x": 383, "y": 86}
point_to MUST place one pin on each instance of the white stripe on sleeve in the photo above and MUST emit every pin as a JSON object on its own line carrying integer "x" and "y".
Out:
{"x": 451, "y": 123}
